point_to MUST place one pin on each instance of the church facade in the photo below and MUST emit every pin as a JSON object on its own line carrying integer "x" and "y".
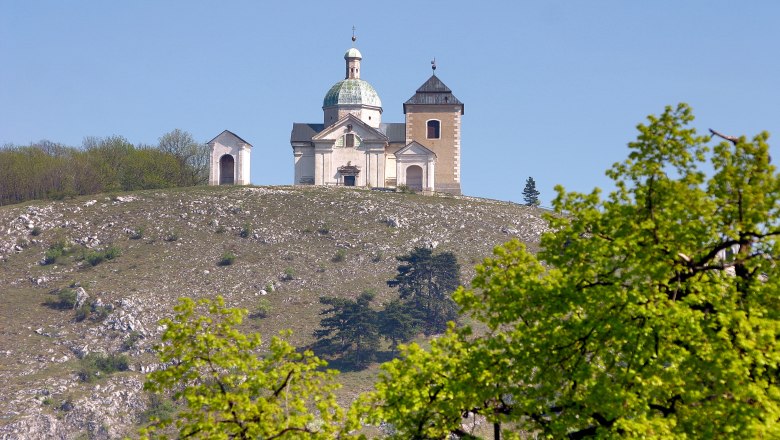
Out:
{"x": 353, "y": 147}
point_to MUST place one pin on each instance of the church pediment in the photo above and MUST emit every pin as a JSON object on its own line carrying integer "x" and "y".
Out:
{"x": 414, "y": 149}
{"x": 350, "y": 124}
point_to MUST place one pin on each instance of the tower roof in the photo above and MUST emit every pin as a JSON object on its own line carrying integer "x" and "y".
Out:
{"x": 433, "y": 92}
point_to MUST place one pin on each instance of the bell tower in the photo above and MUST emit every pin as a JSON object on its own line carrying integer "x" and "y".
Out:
{"x": 433, "y": 119}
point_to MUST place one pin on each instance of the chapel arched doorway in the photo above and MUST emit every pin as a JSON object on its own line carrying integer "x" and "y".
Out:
{"x": 227, "y": 166}
{"x": 414, "y": 177}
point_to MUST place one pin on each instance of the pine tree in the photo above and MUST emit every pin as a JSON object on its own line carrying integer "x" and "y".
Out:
{"x": 399, "y": 322}
{"x": 350, "y": 329}
{"x": 530, "y": 194}
{"x": 427, "y": 281}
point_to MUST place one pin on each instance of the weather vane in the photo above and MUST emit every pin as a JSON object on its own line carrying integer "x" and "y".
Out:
{"x": 433, "y": 64}
{"x": 353, "y": 35}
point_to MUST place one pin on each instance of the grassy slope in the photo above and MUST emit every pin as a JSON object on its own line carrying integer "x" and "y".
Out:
{"x": 294, "y": 229}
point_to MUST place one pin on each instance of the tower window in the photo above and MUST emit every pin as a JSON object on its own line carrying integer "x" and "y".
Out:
{"x": 434, "y": 129}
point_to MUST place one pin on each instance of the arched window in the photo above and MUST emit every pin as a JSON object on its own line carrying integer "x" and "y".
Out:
{"x": 433, "y": 129}
{"x": 349, "y": 142}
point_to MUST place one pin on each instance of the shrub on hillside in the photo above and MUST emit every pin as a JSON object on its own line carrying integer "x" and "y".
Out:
{"x": 56, "y": 250}
{"x": 66, "y": 299}
{"x": 340, "y": 256}
{"x": 95, "y": 257}
{"x": 131, "y": 340}
{"x": 263, "y": 308}
{"x": 160, "y": 409}
{"x": 227, "y": 259}
{"x": 289, "y": 274}
{"x": 51, "y": 255}
{"x": 82, "y": 312}
{"x": 246, "y": 231}
{"x": 96, "y": 365}
{"x": 137, "y": 234}
{"x": 94, "y": 310}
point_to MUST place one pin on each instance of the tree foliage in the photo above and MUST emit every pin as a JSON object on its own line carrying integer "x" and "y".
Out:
{"x": 427, "y": 281}
{"x": 399, "y": 322}
{"x": 651, "y": 313}
{"x": 229, "y": 389}
{"x": 530, "y": 193}
{"x": 350, "y": 329}
{"x": 49, "y": 170}
{"x": 192, "y": 157}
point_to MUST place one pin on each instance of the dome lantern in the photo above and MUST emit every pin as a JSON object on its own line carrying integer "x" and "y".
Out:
{"x": 352, "y": 58}
{"x": 352, "y": 95}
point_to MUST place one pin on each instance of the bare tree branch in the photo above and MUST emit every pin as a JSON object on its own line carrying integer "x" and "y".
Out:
{"x": 732, "y": 139}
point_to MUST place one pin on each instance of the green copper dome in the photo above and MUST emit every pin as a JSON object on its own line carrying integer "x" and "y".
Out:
{"x": 353, "y": 53}
{"x": 352, "y": 91}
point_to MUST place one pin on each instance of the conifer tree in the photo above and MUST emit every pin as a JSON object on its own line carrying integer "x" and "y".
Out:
{"x": 530, "y": 194}
{"x": 428, "y": 280}
{"x": 350, "y": 328}
{"x": 399, "y": 322}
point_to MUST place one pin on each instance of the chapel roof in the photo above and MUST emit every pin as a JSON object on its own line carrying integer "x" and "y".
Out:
{"x": 229, "y": 133}
{"x": 303, "y": 132}
{"x": 395, "y": 131}
{"x": 415, "y": 147}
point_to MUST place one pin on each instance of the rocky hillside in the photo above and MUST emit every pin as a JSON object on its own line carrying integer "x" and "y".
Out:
{"x": 291, "y": 245}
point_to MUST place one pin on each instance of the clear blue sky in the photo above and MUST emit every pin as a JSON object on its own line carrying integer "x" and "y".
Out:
{"x": 552, "y": 89}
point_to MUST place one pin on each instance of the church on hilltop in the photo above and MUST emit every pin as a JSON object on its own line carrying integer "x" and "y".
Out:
{"x": 353, "y": 147}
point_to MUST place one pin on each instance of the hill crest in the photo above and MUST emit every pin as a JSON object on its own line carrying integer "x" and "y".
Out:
{"x": 284, "y": 240}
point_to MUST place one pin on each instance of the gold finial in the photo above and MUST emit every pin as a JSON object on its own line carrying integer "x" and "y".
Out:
{"x": 353, "y": 35}
{"x": 433, "y": 64}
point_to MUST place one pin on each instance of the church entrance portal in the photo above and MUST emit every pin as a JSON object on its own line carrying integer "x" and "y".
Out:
{"x": 414, "y": 178}
{"x": 226, "y": 170}
{"x": 349, "y": 173}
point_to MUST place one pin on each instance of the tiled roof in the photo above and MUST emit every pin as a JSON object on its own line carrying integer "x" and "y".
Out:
{"x": 351, "y": 91}
{"x": 303, "y": 132}
{"x": 230, "y": 133}
{"x": 395, "y": 131}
